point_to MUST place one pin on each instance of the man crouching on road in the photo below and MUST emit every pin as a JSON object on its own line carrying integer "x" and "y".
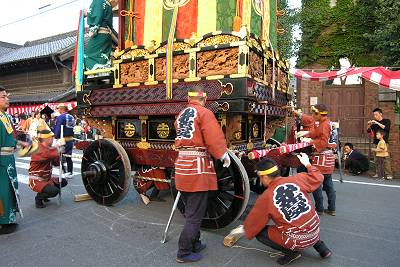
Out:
{"x": 40, "y": 170}
{"x": 287, "y": 203}
{"x": 198, "y": 135}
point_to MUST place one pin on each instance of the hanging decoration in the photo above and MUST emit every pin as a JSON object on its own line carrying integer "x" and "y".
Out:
{"x": 131, "y": 14}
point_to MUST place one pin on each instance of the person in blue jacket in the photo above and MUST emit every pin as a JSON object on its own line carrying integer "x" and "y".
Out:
{"x": 356, "y": 162}
{"x": 68, "y": 122}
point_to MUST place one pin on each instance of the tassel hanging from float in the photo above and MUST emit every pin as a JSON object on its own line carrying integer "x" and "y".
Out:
{"x": 237, "y": 20}
{"x": 131, "y": 14}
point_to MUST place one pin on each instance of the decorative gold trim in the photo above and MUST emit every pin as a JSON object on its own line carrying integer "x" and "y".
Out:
{"x": 106, "y": 70}
{"x": 151, "y": 64}
{"x": 217, "y": 39}
{"x": 243, "y": 69}
{"x": 223, "y": 106}
{"x": 117, "y": 86}
{"x": 143, "y": 145}
{"x": 239, "y": 75}
{"x": 226, "y": 89}
{"x": 151, "y": 83}
{"x": 117, "y": 77}
{"x": 192, "y": 73}
{"x": 214, "y": 77}
{"x": 86, "y": 98}
{"x": 133, "y": 84}
{"x": 194, "y": 79}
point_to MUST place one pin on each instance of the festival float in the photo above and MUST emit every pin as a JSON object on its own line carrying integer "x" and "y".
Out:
{"x": 227, "y": 47}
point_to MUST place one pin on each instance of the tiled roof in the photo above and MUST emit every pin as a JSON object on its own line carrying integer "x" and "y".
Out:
{"x": 39, "y": 48}
{"x": 41, "y": 97}
{"x": 7, "y": 47}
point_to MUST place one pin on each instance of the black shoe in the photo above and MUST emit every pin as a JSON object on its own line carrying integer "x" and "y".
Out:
{"x": 288, "y": 258}
{"x": 39, "y": 203}
{"x": 8, "y": 228}
{"x": 46, "y": 200}
{"x": 320, "y": 213}
{"x": 330, "y": 212}
{"x": 322, "y": 249}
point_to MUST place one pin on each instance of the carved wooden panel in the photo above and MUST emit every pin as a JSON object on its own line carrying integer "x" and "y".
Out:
{"x": 134, "y": 72}
{"x": 283, "y": 80}
{"x": 256, "y": 65}
{"x": 181, "y": 67}
{"x": 217, "y": 62}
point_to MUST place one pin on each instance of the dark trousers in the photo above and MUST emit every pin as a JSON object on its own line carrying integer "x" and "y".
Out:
{"x": 328, "y": 187}
{"x": 50, "y": 190}
{"x": 70, "y": 165}
{"x": 380, "y": 167}
{"x": 68, "y": 150}
{"x": 357, "y": 166}
{"x": 195, "y": 209}
{"x": 263, "y": 237}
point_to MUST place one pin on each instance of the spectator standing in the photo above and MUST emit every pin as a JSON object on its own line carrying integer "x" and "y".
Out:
{"x": 78, "y": 129}
{"x": 67, "y": 121}
{"x": 356, "y": 162}
{"x": 383, "y": 125}
{"x": 382, "y": 154}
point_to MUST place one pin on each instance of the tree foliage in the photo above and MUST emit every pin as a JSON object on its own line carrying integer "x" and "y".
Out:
{"x": 361, "y": 30}
{"x": 286, "y": 44}
{"x": 386, "y": 37}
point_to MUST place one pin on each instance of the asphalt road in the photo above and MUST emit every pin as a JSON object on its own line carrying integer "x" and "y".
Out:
{"x": 365, "y": 232}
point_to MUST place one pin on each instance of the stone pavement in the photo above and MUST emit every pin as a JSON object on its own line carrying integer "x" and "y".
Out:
{"x": 365, "y": 231}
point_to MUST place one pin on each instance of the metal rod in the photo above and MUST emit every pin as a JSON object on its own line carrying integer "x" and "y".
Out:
{"x": 61, "y": 165}
{"x": 164, "y": 239}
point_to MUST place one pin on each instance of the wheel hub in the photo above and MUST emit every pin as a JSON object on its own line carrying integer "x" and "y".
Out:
{"x": 100, "y": 171}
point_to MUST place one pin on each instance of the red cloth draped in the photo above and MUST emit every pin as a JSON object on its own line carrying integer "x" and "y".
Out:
{"x": 187, "y": 20}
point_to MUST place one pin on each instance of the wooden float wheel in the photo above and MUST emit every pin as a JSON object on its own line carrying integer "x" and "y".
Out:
{"x": 227, "y": 204}
{"x": 106, "y": 171}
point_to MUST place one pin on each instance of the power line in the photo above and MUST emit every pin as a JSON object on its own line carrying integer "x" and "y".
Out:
{"x": 37, "y": 14}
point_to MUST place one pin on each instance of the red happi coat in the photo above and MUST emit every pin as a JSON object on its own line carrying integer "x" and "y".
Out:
{"x": 323, "y": 157}
{"x": 41, "y": 166}
{"x": 197, "y": 129}
{"x": 288, "y": 205}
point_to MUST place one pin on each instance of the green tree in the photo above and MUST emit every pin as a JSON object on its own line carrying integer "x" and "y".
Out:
{"x": 386, "y": 36}
{"x": 286, "y": 44}
{"x": 330, "y": 33}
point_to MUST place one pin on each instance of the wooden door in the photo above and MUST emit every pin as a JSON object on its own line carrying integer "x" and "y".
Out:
{"x": 346, "y": 104}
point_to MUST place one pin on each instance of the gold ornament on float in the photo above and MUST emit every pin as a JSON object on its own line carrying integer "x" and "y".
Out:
{"x": 129, "y": 130}
{"x": 238, "y": 135}
{"x": 255, "y": 130}
{"x": 163, "y": 130}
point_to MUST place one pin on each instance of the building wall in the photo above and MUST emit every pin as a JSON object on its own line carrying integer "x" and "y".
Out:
{"x": 36, "y": 81}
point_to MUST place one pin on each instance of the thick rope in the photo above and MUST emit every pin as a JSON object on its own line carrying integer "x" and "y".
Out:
{"x": 270, "y": 253}
{"x": 131, "y": 14}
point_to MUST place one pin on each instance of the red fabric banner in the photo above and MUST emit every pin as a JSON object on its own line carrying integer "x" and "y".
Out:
{"x": 187, "y": 20}
{"x": 12, "y": 109}
{"x": 140, "y": 7}
{"x": 379, "y": 75}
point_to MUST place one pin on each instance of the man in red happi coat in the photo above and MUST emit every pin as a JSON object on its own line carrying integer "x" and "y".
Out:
{"x": 287, "y": 204}
{"x": 322, "y": 156}
{"x": 198, "y": 137}
{"x": 40, "y": 170}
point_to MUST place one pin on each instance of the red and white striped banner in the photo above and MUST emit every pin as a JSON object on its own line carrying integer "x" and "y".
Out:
{"x": 13, "y": 109}
{"x": 379, "y": 75}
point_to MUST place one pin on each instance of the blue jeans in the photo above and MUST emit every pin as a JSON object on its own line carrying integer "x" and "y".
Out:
{"x": 327, "y": 186}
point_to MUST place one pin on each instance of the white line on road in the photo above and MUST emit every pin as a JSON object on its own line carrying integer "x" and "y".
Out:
{"x": 364, "y": 183}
